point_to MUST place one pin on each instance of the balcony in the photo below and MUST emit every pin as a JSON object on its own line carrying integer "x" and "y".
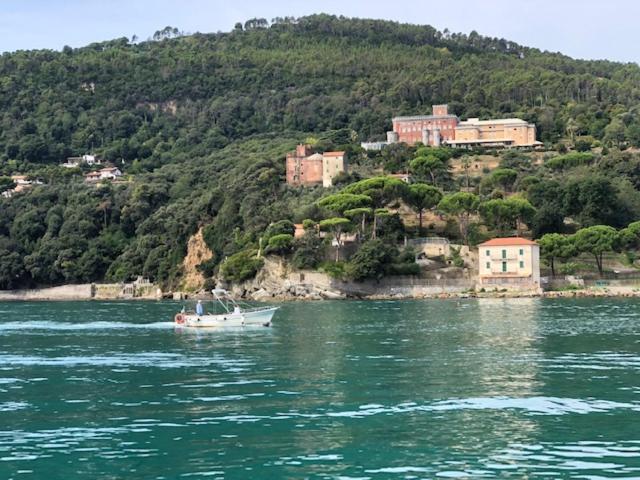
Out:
{"x": 499, "y": 258}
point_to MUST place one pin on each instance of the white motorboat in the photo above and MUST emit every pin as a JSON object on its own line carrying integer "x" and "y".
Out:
{"x": 232, "y": 314}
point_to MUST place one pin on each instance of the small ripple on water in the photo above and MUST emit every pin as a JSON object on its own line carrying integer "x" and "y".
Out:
{"x": 13, "y": 406}
{"x": 73, "y": 326}
{"x": 147, "y": 359}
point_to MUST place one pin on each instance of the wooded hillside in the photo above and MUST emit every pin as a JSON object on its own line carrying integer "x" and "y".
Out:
{"x": 200, "y": 125}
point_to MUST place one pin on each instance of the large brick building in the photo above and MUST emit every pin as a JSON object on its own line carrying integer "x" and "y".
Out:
{"x": 442, "y": 128}
{"x": 428, "y": 129}
{"x": 306, "y": 169}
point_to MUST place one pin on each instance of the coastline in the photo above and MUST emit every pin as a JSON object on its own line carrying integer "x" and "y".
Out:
{"x": 100, "y": 292}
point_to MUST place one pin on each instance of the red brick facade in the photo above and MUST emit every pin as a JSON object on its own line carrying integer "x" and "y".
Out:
{"x": 429, "y": 129}
{"x": 303, "y": 168}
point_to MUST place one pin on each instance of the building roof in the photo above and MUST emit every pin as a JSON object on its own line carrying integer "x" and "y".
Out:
{"x": 498, "y": 121}
{"x": 422, "y": 117}
{"x": 481, "y": 140}
{"x": 333, "y": 154}
{"x": 507, "y": 242}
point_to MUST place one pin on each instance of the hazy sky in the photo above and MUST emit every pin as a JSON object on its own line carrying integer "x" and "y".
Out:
{"x": 579, "y": 28}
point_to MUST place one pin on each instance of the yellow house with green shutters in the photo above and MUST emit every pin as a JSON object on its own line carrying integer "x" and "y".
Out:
{"x": 509, "y": 263}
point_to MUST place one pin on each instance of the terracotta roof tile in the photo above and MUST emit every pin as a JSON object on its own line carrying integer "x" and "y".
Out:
{"x": 508, "y": 241}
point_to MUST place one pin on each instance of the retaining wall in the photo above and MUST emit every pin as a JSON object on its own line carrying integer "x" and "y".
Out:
{"x": 64, "y": 292}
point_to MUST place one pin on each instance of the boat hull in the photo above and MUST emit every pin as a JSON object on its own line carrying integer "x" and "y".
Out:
{"x": 258, "y": 318}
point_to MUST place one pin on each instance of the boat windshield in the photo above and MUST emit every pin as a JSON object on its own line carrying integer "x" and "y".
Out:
{"x": 222, "y": 302}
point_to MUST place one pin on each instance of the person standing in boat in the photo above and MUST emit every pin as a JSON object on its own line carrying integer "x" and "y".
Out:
{"x": 199, "y": 308}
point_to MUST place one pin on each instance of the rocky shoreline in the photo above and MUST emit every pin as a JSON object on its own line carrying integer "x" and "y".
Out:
{"x": 316, "y": 294}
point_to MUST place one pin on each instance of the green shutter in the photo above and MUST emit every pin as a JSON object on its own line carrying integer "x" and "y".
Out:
{"x": 504, "y": 266}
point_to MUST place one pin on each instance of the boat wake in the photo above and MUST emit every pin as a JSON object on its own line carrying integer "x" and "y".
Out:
{"x": 48, "y": 325}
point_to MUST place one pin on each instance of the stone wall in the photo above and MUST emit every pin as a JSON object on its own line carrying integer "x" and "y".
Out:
{"x": 87, "y": 291}
{"x": 65, "y": 292}
{"x": 277, "y": 281}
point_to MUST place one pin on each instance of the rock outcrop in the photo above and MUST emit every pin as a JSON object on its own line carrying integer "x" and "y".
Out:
{"x": 277, "y": 281}
{"x": 197, "y": 252}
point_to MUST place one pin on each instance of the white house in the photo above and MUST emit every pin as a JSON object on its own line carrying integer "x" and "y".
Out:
{"x": 73, "y": 162}
{"x": 109, "y": 173}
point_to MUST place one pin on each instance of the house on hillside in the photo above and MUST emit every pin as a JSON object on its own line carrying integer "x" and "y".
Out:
{"x": 108, "y": 173}
{"x": 92, "y": 176}
{"x": 73, "y": 162}
{"x": 22, "y": 183}
{"x": 332, "y": 165}
{"x": 304, "y": 168}
{"x": 509, "y": 263}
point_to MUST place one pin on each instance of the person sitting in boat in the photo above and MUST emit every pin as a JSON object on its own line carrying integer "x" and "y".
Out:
{"x": 236, "y": 310}
{"x": 199, "y": 308}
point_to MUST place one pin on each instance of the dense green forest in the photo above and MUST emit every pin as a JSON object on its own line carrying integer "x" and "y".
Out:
{"x": 200, "y": 125}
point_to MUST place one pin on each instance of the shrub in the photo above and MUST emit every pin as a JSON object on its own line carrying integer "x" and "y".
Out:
{"x": 569, "y": 268}
{"x": 308, "y": 224}
{"x": 334, "y": 269}
{"x": 630, "y": 257}
{"x": 279, "y": 228}
{"x": 404, "y": 269}
{"x": 408, "y": 255}
{"x": 280, "y": 244}
{"x": 372, "y": 260}
{"x": 455, "y": 258}
{"x": 209, "y": 284}
{"x": 583, "y": 144}
{"x": 309, "y": 251}
{"x": 570, "y": 160}
{"x": 241, "y": 266}
{"x": 207, "y": 267}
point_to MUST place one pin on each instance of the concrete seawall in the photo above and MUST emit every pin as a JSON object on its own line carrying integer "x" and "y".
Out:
{"x": 64, "y": 292}
{"x": 86, "y": 291}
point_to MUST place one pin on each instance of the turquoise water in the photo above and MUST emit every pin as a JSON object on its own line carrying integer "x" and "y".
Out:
{"x": 522, "y": 388}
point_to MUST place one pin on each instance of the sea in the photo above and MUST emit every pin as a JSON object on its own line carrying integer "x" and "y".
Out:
{"x": 345, "y": 390}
